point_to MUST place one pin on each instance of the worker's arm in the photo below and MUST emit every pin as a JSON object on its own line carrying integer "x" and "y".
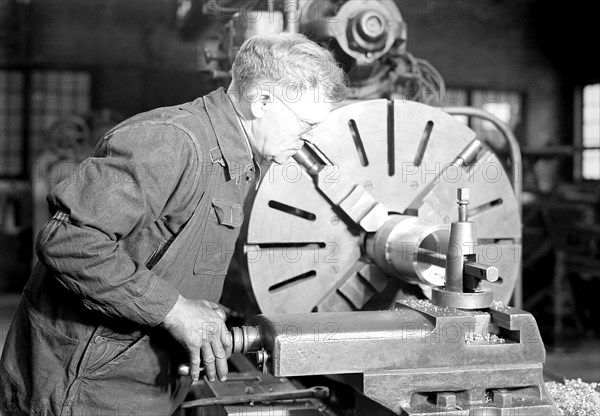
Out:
{"x": 132, "y": 177}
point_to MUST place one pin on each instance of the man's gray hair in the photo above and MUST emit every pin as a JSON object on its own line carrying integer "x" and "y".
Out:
{"x": 291, "y": 61}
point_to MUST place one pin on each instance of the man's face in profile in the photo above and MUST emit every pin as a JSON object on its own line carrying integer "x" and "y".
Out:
{"x": 288, "y": 116}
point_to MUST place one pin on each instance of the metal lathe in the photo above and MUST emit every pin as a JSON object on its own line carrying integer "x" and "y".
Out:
{"x": 384, "y": 257}
{"x": 458, "y": 349}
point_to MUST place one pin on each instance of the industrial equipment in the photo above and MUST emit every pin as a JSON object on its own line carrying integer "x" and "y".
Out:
{"x": 359, "y": 221}
{"x": 462, "y": 353}
{"x": 355, "y": 254}
{"x": 406, "y": 157}
{"x": 367, "y": 203}
{"x": 369, "y": 39}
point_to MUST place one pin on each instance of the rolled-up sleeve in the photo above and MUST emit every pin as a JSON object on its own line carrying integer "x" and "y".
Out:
{"x": 125, "y": 186}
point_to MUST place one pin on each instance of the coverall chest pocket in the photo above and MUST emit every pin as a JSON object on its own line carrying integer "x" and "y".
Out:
{"x": 225, "y": 216}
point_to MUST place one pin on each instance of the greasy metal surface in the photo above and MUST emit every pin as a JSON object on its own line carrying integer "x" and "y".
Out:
{"x": 480, "y": 362}
{"x": 303, "y": 255}
{"x": 461, "y": 249}
{"x": 417, "y": 334}
{"x": 252, "y": 382}
{"x": 480, "y": 299}
{"x": 412, "y": 393}
{"x": 397, "y": 247}
{"x": 317, "y": 392}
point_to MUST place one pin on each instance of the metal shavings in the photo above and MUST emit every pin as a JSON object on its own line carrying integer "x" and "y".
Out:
{"x": 576, "y": 397}
{"x": 499, "y": 306}
{"x": 488, "y": 338}
{"x": 419, "y": 302}
{"x": 427, "y": 306}
{"x": 489, "y": 398}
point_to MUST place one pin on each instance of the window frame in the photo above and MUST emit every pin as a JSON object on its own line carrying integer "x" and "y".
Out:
{"x": 27, "y": 93}
{"x": 578, "y": 144}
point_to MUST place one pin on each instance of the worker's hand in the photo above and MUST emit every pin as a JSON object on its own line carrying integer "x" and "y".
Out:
{"x": 199, "y": 325}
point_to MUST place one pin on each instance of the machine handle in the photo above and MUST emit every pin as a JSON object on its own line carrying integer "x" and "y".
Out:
{"x": 184, "y": 369}
{"x": 244, "y": 339}
{"x": 470, "y": 268}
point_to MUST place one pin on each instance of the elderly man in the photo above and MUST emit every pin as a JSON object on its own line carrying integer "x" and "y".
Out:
{"x": 134, "y": 258}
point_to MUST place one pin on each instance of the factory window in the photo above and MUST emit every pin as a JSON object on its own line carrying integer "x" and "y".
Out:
{"x": 590, "y": 133}
{"x": 505, "y": 105}
{"x": 456, "y": 97}
{"x": 55, "y": 94}
{"x": 30, "y": 101}
{"x": 11, "y": 124}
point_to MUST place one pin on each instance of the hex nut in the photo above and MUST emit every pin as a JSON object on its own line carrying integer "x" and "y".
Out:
{"x": 463, "y": 194}
{"x": 503, "y": 398}
{"x": 446, "y": 400}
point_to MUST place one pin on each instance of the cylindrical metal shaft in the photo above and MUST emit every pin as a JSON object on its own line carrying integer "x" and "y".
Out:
{"x": 398, "y": 245}
{"x": 473, "y": 269}
{"x": 463, "y": 204}
{"x": 246, "y": 339}
{"x": 310, "y": 159}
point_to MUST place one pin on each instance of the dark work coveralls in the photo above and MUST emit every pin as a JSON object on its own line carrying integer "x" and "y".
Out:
{"x": 154, "y": 212}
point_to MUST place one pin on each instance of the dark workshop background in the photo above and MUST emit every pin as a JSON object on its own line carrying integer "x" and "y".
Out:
{"x": 103, "y": 61}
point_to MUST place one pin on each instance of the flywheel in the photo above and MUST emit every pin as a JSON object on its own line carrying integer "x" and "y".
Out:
{"x": 303, "y": 253}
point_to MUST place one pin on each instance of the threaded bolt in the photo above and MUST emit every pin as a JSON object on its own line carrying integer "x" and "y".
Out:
{"x": 463, "y": 202}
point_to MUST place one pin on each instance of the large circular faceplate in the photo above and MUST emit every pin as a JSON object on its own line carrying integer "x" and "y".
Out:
{"x": 303, "y": 255}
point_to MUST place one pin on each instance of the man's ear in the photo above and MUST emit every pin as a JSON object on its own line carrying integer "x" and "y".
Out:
{"x": 259, "y": 106}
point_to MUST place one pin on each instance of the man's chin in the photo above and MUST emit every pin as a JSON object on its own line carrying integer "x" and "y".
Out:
{"x": 283, "y": 158}
{"x": 280, "y": 160}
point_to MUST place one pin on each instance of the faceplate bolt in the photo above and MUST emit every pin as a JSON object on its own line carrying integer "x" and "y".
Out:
{"x": 446, "y": 400}
{"x": 503, "y": 398}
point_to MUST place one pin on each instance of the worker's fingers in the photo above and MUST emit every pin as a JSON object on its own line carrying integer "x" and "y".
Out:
{"x": 208, "y": 358}
{"x": 221, "y": 313}
{"x": 226, "y": 309}
{"x": 194, "y": 364}
{"x": 220, "y": 359}
{"x": 227, "y": 341}
{"x": 184, "y": 370}
{"x": 212, "y": 305}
